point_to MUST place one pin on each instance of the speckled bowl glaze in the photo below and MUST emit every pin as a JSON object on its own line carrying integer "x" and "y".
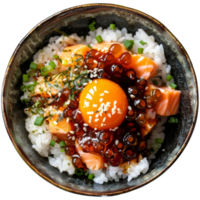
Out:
{"x": 75, "y": 20}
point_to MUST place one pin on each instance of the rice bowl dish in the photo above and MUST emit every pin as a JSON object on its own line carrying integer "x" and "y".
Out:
{"x": 96, "y": 115}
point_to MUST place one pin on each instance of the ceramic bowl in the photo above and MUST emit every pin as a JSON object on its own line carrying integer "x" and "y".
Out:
{"x": 75, "y": 20}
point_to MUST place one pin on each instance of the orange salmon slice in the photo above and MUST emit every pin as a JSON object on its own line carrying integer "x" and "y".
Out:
{"x": 169, "y": 102}
{"x": 92, "y": 161}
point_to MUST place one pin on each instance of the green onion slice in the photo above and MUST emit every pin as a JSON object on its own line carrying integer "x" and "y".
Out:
{"x": 55, "y": 56}
{"x": 37, "y": 104}
{"x": 39, "y": 121}
{"x": 173, "y": 120}
{"x": 62, "y": 144}
{"x": 79, "y": 172}
{"x": 92, "y": 25}
{"x": 169, "y": 77}
{"x": 23, "y": 88}
{"x": 86, "y": 173}
{"x": 24, "y": 100}
{"x": 52, "y": 143}
{"x": 33, "y": 66}
{"x": 52, "y": 64}
{"x": 25, "y": 77}
{"x": 155, "y": 82}
{"x": 173, "y": 86}
{"x": 140, "y": 50}
{"x": 99, "y": 39}
{"x": 112, "y": 26}
{"x": 62, "y": 150}
{"x": 89, "y": 46}
{"x": 31, "y": 73}
{"x": 91, "y": 176}
{"x": 155, "y": 146}
{"x": 129, "y": 44}
{"x": 142, "y": 42}
{"x": 40, "y": 111}
{"x": 158, "y": 140}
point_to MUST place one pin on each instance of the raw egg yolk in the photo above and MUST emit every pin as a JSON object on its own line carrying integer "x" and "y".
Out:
{"x": 103, "y": 104}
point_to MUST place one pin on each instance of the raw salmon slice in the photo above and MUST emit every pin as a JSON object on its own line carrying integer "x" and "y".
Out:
{"x": 169, "y": 102}
{"x": 93, "y": 161}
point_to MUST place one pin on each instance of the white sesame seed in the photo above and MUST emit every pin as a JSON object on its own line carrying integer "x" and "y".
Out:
{"x": 85, "y": 84}
{"x": 138, "y": 133}
{"x": 95, "y": 88}
{"x": 94, "y": 105}
{"x": 68, "y": 102}
{"x": 104, "y": 119}
{"x": 97, "y": 53}
{"x": 85, "y": 66}
{"x": 109, "y": 115}
{"x": 85, "y": 124}
{"x": 50, "y": 108}
{"x": 115, "y": 102}
{"x": 105, "y": 91}
{"x": 132, "y": 96}
{"x": 73, "y": 138}
{"x": 67, "y": 120}
{"x": 85, "y": 129}
{"x": 95, "y": 69}
{"x": 55, "y": 122}
{"x": 105, "y": 164}
{"x": 95, "y": 129}
{"x": 90, "y": 81}
{"x": 116, "y": 142}
{"x": 91, "y": 91}
{"x": 86, "y": 103}
{"x": 90, "y": 118}
{"x": 88, "y": 96}
{"x": 146, "y": 88}
{"x": 95, "y": 61}
{"x": 96, "y": 120}
{"x": 129, "y": 107}
{"x": 95, "y": 81}
{"x": 163, "y": 149}
{"x": 90, "y": 113}
{"x": 72, "y": 132}
{"x": 95, "y": 75}
{"x": 99, "y": 70}
{"x": 100, "y": 100}
{"x": 75, "y": 124}
{"x": 97, "y": 115}
{"x": 102, "y": 94}
{"x": 91, "y": 75}
{"x": 101, "y": 124}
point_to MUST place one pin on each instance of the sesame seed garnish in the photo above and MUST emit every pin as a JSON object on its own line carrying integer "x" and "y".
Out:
{"x": 102, "y": 124}
{"x": 96, "y": 120}
{"x": 95, "y": 81}
{"x": 95, "y": 88}
{"x": 85, "y": 84}
{"x": 91, "y": 75}
{"x": 72, "y": 132}
{"x": 90, "y": 113}
{"x": 105, "y": 164}
{"x": 91, "y": 91}
{"x": 100, "y": 100}
{"x": 73, "y": 138}
{"x": 95, "y": 129}
{"x": 95, "y": 75}
{"x": 50, "y": 108}
{"x": 146, "y": 88}
{"x": 109, "y": 115}
{"x": 90, "y": 118}
{"x": 163, "y": 149}
{"x": 88, "y": 96}
{"x": 90, "y": 81}
{"x": 104, "y": 119}
{"x": 115, "y": 102}
{"x": 138, "y": 133}
{"x": 97, "y": 115}
{"x": 105, "y": 91}
{"x": 95, "y": 61}
{"x": 67, "y": 120}
{"x": 75, "y": 124}
{"x": 85, "y": 129}
{"x": 132, "y": 96}
{"x": 94, "y": 105}
{"x": 86, "y": 103}
{"x": 85, "y": 124}
{"x": 102, "y": 94}
{"x": 55, "y": 122}
{"x": 116, "y": 142}
{"x": 129, "y": 107}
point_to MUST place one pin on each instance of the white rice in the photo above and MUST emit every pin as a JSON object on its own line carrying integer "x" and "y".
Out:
{"x": 40, "y": 136}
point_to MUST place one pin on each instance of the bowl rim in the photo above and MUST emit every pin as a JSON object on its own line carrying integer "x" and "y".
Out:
{"x": 116, "y": 192}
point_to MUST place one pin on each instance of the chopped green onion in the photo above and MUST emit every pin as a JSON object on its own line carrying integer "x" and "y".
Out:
{"x": 92, "y": 25}
{"x": 173, "y": 86}
{"x": 62, "y": 144}
{"x": 33, "y": 66}
{"x": 55, "y": 56}
{"x": 23, "y": 88}
{"x": 155, "y": 147}
{"x": 62, "y": 150}
{"x": 24, "y": 100}
{"x": 158, "y": 140}
{"x": 25, "y": 77}
{"x": 39, "y": 121}
{"x": 140, "y": 50}
{"x": 30, "y": 87}
{"x": 129, "y": 44}
{"x": 155, "y": 82}
{"x": 91, "y": 176}
{"x": 46, "y": 70}
{"x": 173, "y": 120}
{"x": 112, "y": 26}
{"x": 142, "y": 42}
{"x": 31, "y": 73}
{"x": 89, "y": 46}
{"x": 169, "y": 77}
{"x": 52, "y": 143}
{"x": 52, "y": 64}
{"x": 99, "y": 39}
{"x": 37, "y": 104}
{"x": 86, "y": 173}
{"x": 79, "y": 172}
{"x": 40, "y": 111}
{"x": 64, "y": 62}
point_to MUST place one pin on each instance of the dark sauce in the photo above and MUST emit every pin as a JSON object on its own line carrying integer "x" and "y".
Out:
{"x": 126, "y": 142}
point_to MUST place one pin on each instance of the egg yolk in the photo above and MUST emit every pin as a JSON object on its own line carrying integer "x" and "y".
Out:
{"x": 103, "y": 104}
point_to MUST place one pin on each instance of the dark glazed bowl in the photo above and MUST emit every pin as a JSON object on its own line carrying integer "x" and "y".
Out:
{"x": 75, "y": 20}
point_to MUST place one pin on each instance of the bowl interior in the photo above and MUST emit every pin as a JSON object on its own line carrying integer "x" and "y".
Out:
{"x": 76, "y": 20}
